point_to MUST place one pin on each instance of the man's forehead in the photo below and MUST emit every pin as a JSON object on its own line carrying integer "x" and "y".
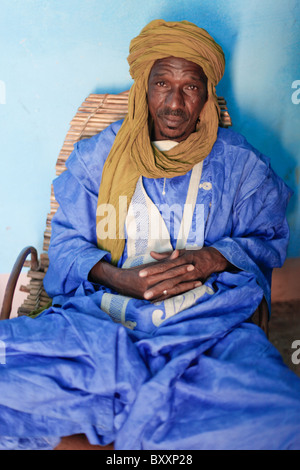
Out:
{"x": 173, "y": 63}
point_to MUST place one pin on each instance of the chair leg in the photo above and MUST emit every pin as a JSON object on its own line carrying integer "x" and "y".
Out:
{"x": 14, "y": 276}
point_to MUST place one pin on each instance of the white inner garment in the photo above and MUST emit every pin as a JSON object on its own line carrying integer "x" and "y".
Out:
{"x": 165, "y": 145}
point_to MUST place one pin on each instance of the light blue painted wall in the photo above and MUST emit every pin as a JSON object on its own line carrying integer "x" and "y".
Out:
{"x": 53, "y": 53}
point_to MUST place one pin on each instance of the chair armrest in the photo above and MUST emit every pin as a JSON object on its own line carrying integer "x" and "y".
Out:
{"x": 14, "y": 276}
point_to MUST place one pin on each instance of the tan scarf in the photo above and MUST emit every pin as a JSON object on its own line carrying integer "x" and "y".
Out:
{"x": 132, "y": 153}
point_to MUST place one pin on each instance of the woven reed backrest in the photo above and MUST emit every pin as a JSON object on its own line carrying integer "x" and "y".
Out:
{"x": 96, "y": 113}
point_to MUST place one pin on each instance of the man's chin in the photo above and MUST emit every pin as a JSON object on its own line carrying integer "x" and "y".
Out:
{"x": 170, "y": 133}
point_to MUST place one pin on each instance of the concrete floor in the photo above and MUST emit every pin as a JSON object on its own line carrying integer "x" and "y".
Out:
{"x": 79, "y": 442}
{"x": 284, "y": 329}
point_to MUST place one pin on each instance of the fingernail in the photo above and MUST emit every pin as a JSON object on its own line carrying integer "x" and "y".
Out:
{"x": 191, "y": 267}
{"x": 148, "y": 295}
{"x": 198, "y": 284}
{"x": 143, "y": 273}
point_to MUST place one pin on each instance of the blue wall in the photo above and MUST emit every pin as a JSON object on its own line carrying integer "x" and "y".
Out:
{"x": 55, "y": 52}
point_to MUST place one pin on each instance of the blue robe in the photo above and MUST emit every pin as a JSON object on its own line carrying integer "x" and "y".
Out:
{"x": 201, "y": 377}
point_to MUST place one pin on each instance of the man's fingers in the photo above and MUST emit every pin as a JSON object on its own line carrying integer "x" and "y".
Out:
{"x": 160, "y": 256}
{"x": 175, "y": 254}
{"x": 167, "y": 262}
{"x": 167, "y": 254}
{"x": 175, "y": 290}
{"x": 172, "y": 276}
{"x": 171, "y": 286}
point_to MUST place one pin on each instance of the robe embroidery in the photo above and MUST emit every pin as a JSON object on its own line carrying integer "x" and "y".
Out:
{"x": 146, "y": 231}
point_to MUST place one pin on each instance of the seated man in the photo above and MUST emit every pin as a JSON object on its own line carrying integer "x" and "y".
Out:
{"x": 162, "y": 248}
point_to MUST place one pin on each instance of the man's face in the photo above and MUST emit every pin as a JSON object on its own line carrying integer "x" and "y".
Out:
{"x": 177, "y": 92}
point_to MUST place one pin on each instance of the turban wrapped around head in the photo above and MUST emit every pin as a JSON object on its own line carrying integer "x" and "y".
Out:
{"x": 132, "y": 153}
{"x": 160, "y": 39}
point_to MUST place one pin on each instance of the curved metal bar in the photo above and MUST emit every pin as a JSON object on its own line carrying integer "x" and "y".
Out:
{"x": 14, "y": 276}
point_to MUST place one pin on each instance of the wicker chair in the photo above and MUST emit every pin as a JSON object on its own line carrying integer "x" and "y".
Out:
{"x": 94, "y": 115}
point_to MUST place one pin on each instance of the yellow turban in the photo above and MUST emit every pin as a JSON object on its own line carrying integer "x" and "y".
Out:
{"x": 132, "y": 153}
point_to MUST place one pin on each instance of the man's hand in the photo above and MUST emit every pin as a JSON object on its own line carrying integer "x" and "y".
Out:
{"x": 204, "y": 262}
{"x": 172, "y": 274}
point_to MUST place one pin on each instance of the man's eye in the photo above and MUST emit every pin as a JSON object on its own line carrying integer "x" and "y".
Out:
{"x": 161, "y": 83}
{"x": 193, "y": 87}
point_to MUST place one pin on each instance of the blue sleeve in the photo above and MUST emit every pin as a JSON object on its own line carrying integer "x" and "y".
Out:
{"x": 73, "y": 247}
{"x": 255, "y": 230}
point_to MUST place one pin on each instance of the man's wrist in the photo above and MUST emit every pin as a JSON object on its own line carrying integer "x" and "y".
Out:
{"x": 99, "y": 272}
{"x": 218, "y": 261}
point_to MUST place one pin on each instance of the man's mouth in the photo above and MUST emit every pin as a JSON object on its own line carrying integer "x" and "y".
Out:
{"x": 173, "y": 120}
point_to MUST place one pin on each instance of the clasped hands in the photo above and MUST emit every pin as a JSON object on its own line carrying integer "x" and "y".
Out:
{"x": 171, "y": 274}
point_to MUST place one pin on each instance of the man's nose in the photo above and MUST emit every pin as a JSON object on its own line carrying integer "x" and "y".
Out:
{"x": 175, "y": 98}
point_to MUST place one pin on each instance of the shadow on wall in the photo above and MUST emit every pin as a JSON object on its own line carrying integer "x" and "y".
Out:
{"x": 225, "y": 29}
{"x": 204, "y": 15}
{"x": 283, "y": 163}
